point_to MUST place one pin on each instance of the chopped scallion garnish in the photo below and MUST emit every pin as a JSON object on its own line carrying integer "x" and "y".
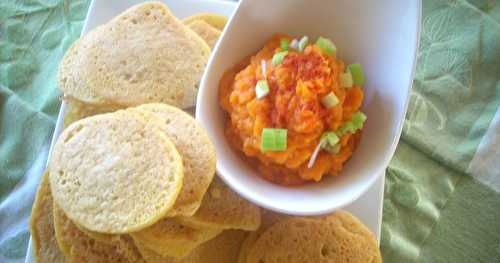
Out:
{"x": 273, "y": 139}
{"x": 330, "y": 137}
{"x": 345, "y": 128}
{"x": 332, "y": 149}
{"x": 284, "y": 43}
{"x": 354, "y": 124}
{"x": 303, "y": 43}
{"x": 261, "y": 89}
{"x": 346, "y": 79}
{"x": 326, "y": 45}
{"x": 328, "y": 141}
{"x": 330, "y": 100}
{"x": 279, "y": 57}
{"x": 358, "y": 76}
{"x": 358, "y": 119}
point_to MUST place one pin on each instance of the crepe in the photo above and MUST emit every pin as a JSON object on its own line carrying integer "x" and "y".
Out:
{"x": 338, "y": 237}
{"x": 43, "y": 235}
{"x": 143, "y": 55}
{"x": 196, "y": 149}
{"x": 223, "y": 208}
{"x": 115, "y": 173}
{"x": 206, "y": 31}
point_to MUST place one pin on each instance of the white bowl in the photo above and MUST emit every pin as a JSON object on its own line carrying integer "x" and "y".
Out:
{"x": 382, "y": 35}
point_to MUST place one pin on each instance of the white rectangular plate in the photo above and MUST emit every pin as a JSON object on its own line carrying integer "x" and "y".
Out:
{"x": 368, "y": 208}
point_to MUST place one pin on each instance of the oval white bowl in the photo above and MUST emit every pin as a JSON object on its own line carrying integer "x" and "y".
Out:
{"x": 381, "y": 35}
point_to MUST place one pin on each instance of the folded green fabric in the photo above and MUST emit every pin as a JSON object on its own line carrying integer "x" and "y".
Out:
{"x": 33, "y": 38}
{"x": 434, "y": 208}
{"x": 434, "y": 214}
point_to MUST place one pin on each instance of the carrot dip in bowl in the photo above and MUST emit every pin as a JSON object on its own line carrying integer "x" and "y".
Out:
{"x": 294, "y": 109}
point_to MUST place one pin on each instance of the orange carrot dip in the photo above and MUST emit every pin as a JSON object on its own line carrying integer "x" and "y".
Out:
{"x": 294, "y": 102}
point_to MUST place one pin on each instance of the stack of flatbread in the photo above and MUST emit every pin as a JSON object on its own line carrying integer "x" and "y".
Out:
{"x": 137, "y": 185}
{"x": 144, "y": 55}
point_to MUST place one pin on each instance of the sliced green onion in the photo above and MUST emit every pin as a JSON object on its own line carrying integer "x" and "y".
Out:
{"x": 358, "y": 119}
{"x": 261, "y": 89}
{"x": 267, "y": 140}
{"x": 354, "y": 124}
{"x": 330, "y": 100}
{"x": 329, "y": 141}
{"x": 294, "y": 44}
{"x": 345, "y": 128}
{"x": 332, "y": 149}
{"x": 281, "y": 138}
{"x": 279, "y": 57}
{"x": 326, "y": 45}
{"x": 358, "y": 76}
{"x": 303, "y": 43}
{"x": 346, "y": 80}
{"x": 330, "y": 137}
{"x": 273, "y": 139}
{"x": 284, "y": 43}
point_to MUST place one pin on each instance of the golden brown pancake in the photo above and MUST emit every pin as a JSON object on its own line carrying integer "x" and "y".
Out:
{"x": 43, "y": 235}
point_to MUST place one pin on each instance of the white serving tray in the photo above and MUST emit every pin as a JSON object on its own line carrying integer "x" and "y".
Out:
{"x": 368, "y": 208}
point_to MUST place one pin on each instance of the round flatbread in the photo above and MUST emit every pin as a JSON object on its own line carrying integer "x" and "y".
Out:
{"x": 115, "y": 173}
{"x": 143, "y": 55}
{"x": 110, "y": 239}
{"x": 151, "y": 256}
{"x": 209, "y": 33}
{"x": 215, "y": 20}
{"x": 77, "y": 110}
{"x": 78, "y": 247}
{"x": 338, "y": 237}
{"x": 124, "y": 243}
{"x": 222, "y": 208}
{"x": 269, "y": 218}
{"x": 168, "y": 238}
{"x": 222, "y": 249}
{"x": 45, "y": 246}
{"x": 196, "y": 149}
{"x": 69, "y": 78}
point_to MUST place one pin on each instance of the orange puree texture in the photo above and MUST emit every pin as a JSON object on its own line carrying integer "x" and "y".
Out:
{"x": 294, "y": 103}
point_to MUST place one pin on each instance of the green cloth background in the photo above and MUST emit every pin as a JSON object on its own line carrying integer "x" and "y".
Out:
{"x": 433, "y": 210}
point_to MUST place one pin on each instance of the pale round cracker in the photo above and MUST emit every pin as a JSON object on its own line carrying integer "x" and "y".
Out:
{"x": 69, "y": 77}
{"x": 215, "y": 20}
{"x": 222, "y": 249}
{"x": 196, "y": 149}
{"x": 168, "y": 238}
{"x": 269, "y": 218}
{"x": 225, "y": 209}
{"x": 78, "y": 247}
{"x": 206, "y": 31}
{"x": 151, "y": 256}
{"x": 338, "y": 237}
{"x": 144, "y": 55}
{"x": 45, "y": 246}
{"x": 115, "y": 173}
{"x": 110, "y": 239}
{"x": 76, "y": 110}
{"x": 123, "y": 242}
